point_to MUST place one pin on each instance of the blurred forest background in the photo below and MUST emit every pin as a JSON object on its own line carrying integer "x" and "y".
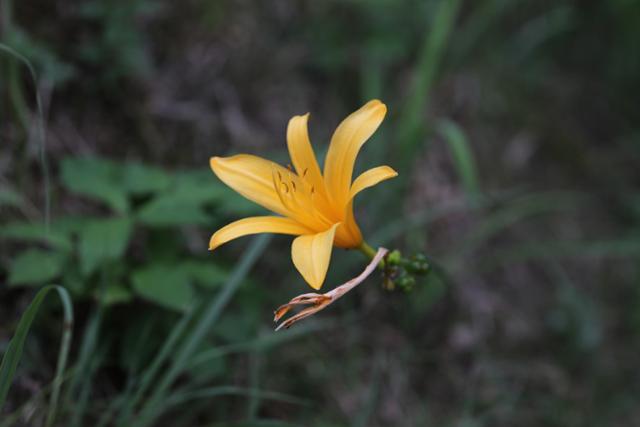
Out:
{"x": 514, "y": 125}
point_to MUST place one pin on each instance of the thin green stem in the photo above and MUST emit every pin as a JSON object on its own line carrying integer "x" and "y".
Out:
{"x": 367, "y": 250}
{"x": 370, "y": 253}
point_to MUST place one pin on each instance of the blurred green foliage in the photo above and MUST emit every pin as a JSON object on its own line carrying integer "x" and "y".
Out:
{"x": 514, "y": 126}
{"x": 92, "y": 255}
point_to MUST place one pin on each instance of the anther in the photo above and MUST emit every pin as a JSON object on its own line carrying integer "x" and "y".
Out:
{"x": 293, "y": 185}
{"x": 286, "y": 187}
{"x": 304, "y": 172}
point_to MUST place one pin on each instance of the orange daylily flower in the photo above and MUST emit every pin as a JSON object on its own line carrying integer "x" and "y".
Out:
{"x": 315, "y": 206}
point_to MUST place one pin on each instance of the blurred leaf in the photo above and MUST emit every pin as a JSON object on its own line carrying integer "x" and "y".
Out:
{"x": 119, "y": 49}
{"x": 140, "y": 179}
{"x": 185, "y": 199}
{"x": 95, "y": 178}
{"x": 73, "y": 280}
{"x": 10, "y": 198}
{"x": 116, "y": 294}
{"x": 204, "y": 273}
{"x": 43, "y": 57}
{"x": 198, "y": 186}
{"x": 170, "y": 210}
{"x": 183, "y": 202}
{"x": 103, "y": 240}
{"x": 35, "y": 266}
{"x": 203, "y": 188}
{"x": 71, "y": 224}
{"x": 29, "y": 232}
{"x": 554, "y": 22}
{"x": 164, "y": 285}
{"x": 575, "y": 316}
{"x": 462, "y": 155}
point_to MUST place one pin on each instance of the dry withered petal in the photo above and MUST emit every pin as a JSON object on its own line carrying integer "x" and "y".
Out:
{"x": 317, "y": 302}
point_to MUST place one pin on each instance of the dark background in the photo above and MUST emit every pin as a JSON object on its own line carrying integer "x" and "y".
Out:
{"x": 514, "y": 126}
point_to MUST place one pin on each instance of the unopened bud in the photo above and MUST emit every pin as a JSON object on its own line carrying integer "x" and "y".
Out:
{"x": 394, "y": 257}
{"x": 418, "y": 264}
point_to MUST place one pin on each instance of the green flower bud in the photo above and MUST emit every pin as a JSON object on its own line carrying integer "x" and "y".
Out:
{"x": 394, "y": 257}
{"x": 406, "y": 282}
{"x": 418, "y": 264}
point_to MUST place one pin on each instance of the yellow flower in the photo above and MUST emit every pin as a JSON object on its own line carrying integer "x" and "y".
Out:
{"x": 315, "y": 206}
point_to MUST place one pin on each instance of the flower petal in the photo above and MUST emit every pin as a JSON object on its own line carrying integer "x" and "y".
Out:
{"x": 352, "y": 133}
{"x": 301, "y": 151}
{"x": 306, "y": 165}
{"x": 311, "y": 255}
{"x": 255, "y": 225}
{"x": 370, "y": 178}
{"x": 252, "y": 177}
{"x": 348, "y": 235}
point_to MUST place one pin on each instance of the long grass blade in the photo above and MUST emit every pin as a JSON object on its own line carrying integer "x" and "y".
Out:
{"x": 462, "y": 155}
{"x": 63, "y": 354}
{"x": 210, "y": 315}
{"x": 207, "y": 393}
{"x": 42, "y": 136}
{"x": 428, "y": 65}
{"x": 13, "y": 354}
{"x": 78, "y": 391}
{"x": 150, "y": 373}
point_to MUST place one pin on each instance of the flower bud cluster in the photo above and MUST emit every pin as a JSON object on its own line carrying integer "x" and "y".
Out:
{"x": 402, "y": 272}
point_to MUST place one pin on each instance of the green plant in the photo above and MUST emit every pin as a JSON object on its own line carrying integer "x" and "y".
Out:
{"x": 91, "y": 254}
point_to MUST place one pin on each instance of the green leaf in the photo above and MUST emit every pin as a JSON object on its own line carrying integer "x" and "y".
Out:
{"x": 116, "y": 294}
{"x": 185, "y": 199}
{"x": 201, "y": 187}
{"x": 164, "y": 285}
{"x": 71, "y": 224}
{"x": 95, "y": 178}
{"x": 170, "y": 210}
{"x": 35, "y": 266}
{"x": 29, "y": 232}
{"x": 205, "y": 274}
{"x": 13, "y": 354}
{"x": 73, "y": 281}
{"x": 140, "y": 179}
{"x": 198, "y": 187}
{"x": 103, "y": 240}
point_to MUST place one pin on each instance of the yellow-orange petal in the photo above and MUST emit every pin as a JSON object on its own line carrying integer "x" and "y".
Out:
{"x": 301, "y": 152}
{"x": 346, "y": 142}
{"x": 370, "y": 178}
{"x": 311, "y": 255}
{"x": 348, "y": 234}
{"x": 255, "y": 225}
{"x": 252, "y": 177}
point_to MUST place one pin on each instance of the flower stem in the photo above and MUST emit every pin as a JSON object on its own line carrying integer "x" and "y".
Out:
{"x": 369, "y": 252}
